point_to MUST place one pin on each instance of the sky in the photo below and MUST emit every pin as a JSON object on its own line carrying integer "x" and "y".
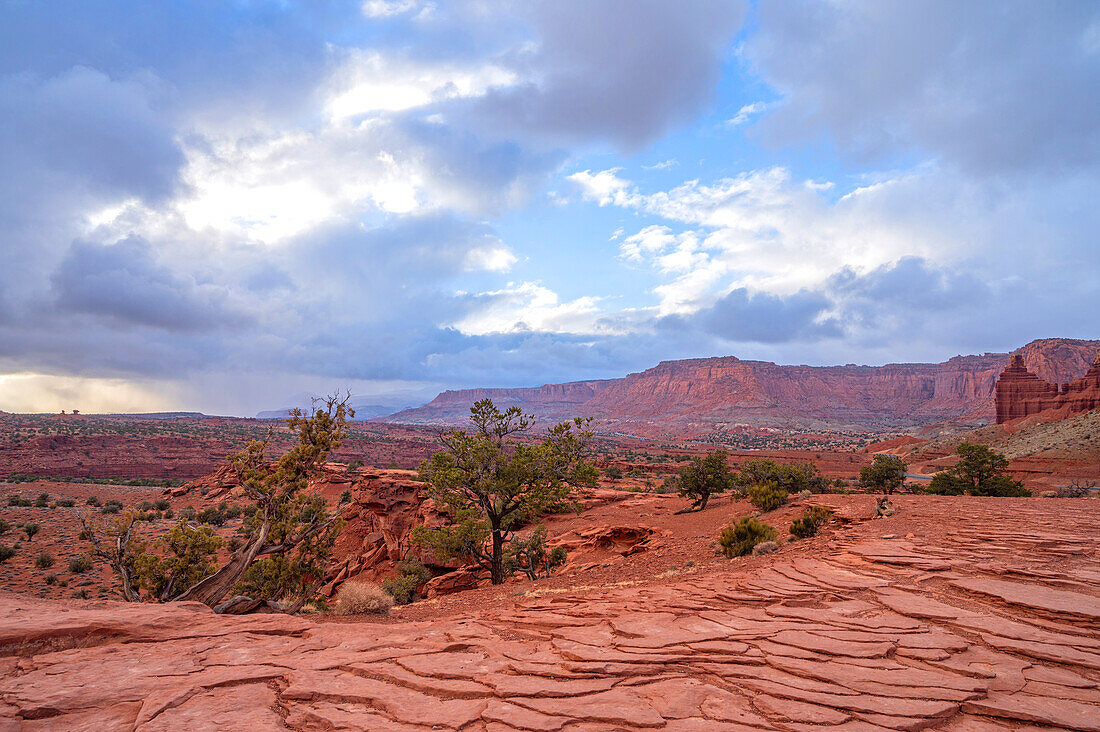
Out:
{"x": 214, "y": 206}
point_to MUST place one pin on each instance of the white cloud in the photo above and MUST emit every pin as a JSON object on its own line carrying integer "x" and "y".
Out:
{"x": 746, "y": 113}
{"x": 768, "y": 232}
{"x": 490, "y": 258}
{"x": 604, "y": 187}
{"x": 663, "y": 165}
{"x": 369, "y": 82}
{"x": 388, "y": 8}
{"x": 531, "y": 307}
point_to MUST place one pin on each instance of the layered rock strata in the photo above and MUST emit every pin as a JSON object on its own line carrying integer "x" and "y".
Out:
{"x": 700, "y": 395}
{"x": 1020, "y": 393}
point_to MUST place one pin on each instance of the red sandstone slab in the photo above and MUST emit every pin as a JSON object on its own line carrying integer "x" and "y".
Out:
{"x": 1035, "y": 596}
{"x": 1024, "y": 707}
{"x": 616, "y": 706}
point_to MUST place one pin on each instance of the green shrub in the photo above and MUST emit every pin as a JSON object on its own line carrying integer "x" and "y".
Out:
{"x": 161, "y": 504}
{"x": 767, "y": 496}
{"x": 51, "y": 579}
{"x": 6, "y": 552}
{"x": 613, "y": 472}
{"x": 43, "y": 500}
{"x": 20, "y": 502}
{"x": 411, "y": 573}
{"x": 31, "y": 529}
{"x": 671, "y": 484}
{"x": 5, "y": 527}
{"x": 345, "y": 497}
{"x": 66, "y": 502}
{"x": 791, "y": 478}
{"x": 93, "y": 501}
{"x": 739, "y": 539}
{"x": 112, "y": 506}
{"x": 145, "y": 506}
{"x": 812, "y": 519}
{"x": 80, "y": 564}
{"x": 44, "y": 560}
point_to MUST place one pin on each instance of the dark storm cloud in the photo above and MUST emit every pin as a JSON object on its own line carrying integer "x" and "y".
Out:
{"x": 994, "y": 87}
{"x": 123, "y": 281}
{"x": 619, "y": 70}
{"x": 741, "y": 316}
{"x": 911, "y": 282}
{"x": 84, "y": 127}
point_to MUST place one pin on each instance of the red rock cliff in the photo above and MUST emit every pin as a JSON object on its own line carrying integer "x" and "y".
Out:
{"x": 699, "y": 395}
{"x": 1020, "y": 393}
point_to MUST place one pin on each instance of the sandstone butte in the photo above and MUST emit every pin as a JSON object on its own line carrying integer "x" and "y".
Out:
{"x": 956, "y": 613}
{"x": 1020, "y": 393}
{"x": 696, "y": 395}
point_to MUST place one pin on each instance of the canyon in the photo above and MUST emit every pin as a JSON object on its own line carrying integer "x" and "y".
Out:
{"x": 698, "y": 396}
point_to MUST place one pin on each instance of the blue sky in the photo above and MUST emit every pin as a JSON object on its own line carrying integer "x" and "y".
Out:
{"x": 216, "y": 205}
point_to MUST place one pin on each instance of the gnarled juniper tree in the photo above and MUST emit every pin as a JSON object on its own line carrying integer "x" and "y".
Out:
{"x": 489, "y": 482}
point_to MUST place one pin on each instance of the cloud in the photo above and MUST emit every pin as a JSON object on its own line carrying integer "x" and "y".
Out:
{"x": 123, "y": 281}
{"x": 746, "y": 113}
{"x": 529, "y": 306}
{"x": 741, "y": 316}
{"x": 993, "y": 88}
{"x": 617, "y": 70}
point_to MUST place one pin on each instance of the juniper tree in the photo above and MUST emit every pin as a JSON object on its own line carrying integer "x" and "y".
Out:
{"x": 703, "y": 477}
{"x": 488, "y": 482}
{"x": 886, "y": 474}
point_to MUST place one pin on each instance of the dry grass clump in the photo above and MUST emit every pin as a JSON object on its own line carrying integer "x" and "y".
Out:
{"x": 355, "y": 598}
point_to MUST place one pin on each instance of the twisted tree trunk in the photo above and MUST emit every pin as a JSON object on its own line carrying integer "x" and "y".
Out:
{"x": 214, "y": 588}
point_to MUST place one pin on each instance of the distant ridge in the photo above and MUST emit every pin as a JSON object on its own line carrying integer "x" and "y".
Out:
{"x": 702, "y": 395}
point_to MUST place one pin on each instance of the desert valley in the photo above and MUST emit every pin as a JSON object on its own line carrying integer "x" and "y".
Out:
{"x": 954, "y": 612}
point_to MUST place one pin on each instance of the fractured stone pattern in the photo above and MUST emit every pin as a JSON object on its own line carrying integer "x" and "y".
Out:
{"x": 991, "y": 622}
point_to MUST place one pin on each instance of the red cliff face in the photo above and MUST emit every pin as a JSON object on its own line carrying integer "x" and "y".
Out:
{"x": 1020, "y": 393}
{"x": 699, "y": 395}
{"x": 550, "y": 400}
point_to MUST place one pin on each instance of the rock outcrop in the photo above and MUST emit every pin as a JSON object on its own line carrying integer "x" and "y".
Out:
{"x": 1021, "y": 393}
{"x": 700, "y": 395}
{"x": 985, "y": 620}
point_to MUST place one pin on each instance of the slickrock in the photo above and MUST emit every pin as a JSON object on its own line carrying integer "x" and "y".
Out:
{"x": 982, "y": 620}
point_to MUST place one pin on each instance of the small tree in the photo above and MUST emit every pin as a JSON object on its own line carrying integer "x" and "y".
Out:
{"x": 979, "y": 472}
{"x": 885, "y": 474}
{"x": 411, "y": 573}
{"x": 284, "y": 520}
{"x": 288, "y": 532}
{"x": 488, "y": 482}
{"x": 30, "y": 529}
{"x": 703, "y": 477}
{"x": 531, "y": 557}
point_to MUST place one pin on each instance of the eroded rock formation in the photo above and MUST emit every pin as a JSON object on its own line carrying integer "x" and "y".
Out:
{"x": 699, "y": 395}
{"x": 985, "y": 620}
{"x": 1020, "y": 393}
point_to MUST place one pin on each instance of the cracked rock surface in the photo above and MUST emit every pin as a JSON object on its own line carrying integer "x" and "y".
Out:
{"x": 981, "y": 619}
